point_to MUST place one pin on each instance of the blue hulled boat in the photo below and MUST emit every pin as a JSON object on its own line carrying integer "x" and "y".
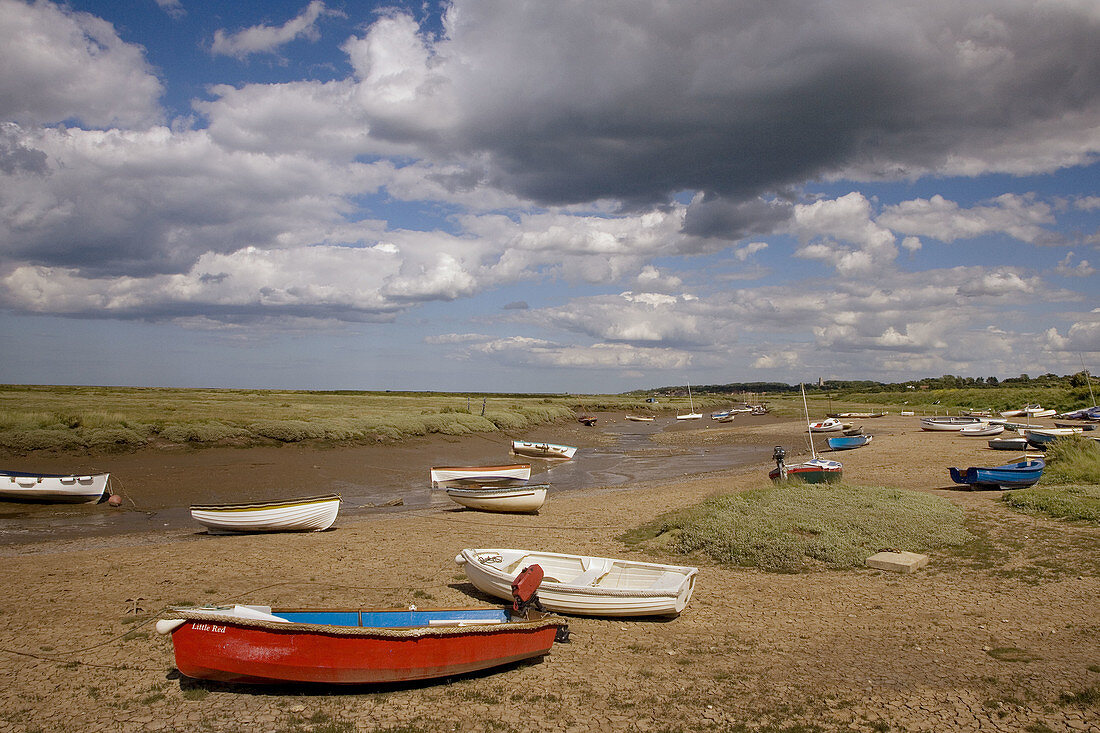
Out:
{"x": 1010, "y": 476}
{"x": 848, "y": 442}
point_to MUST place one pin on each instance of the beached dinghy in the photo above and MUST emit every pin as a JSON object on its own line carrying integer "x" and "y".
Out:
{"x": 814, "y": 471}
{"x": 309, "y": 514}
{"x": 511, "y": 499}
{"x": 1017, "y": 444}
{"x": 639, "y": 418}
{"x": 982, "y": 430}
{"x": 588, "y": 586}
{"x": 542, "y": 450}
{"x": 848, "y": 442}
{"x": 254, "y": 644}
{"x": 1042, "y": 437}
{"x": 510, "y": 475}
{"x": 1010, "y": 476}
{"x": 828, "y": 425}
{"x": 52, "y": 487}
{"x": 948, "y": 423}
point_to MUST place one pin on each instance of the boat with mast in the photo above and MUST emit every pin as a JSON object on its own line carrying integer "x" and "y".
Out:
{"x": 814, "y": 471}
{"x": 693, "y": 415}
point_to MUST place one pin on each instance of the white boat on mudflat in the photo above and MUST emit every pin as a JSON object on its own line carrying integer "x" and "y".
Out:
{"x": 948, "y": 423}
{"x": 308, "y": 514}
{"x": 982, "y": 430}
{"x": 640, "y": 418}
{"x": 510, "y": 475}
{"x": 588, "y": 586}
{"x": 511, "y": 499}
{"x": 52, "y": 487}
{"x": 542, "y": 450}
{"x": 828, "y": 425}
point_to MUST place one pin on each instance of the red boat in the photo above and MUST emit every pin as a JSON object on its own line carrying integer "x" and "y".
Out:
{"x": 255, "y": 644}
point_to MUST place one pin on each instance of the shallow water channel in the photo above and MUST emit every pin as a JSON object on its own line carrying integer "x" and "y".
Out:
{"x": 160, "y": 488}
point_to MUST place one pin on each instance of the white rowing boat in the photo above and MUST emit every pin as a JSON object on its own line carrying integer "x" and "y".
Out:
{"x": 542, "y": 450}
{"x": 640, "y": 418}
{"x": 510, "y": 475}
{"x": 309, "y": 514}
{"x": 590, "y": 586}
{"x": 948, "y": 423}
{"x": 52, "y": 487}
{"x": 517, "y": 499}
{"x": 982, "y": 430}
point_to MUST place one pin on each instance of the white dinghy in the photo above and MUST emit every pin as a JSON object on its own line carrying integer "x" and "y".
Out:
{"x": 542, "y": 450}
{"x": 52, "y": 487}
{"x": 308, "y": 514}
{"x": 587, "y": 586}
{"x": 444, "y": 476}
{"x": 516, "y": 500}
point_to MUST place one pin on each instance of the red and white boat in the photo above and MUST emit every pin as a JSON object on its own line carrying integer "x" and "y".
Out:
{"x": 509, "y": 475}
{"x": 828, "y": 425}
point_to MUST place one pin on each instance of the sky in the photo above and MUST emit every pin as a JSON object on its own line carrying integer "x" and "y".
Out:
{"x": 574, "y": 196}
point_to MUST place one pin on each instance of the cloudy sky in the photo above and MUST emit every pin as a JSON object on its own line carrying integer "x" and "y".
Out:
{"x": 584, "y": 196}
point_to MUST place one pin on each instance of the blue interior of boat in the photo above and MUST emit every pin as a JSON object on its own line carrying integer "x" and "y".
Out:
{"x": 393, "y": 619}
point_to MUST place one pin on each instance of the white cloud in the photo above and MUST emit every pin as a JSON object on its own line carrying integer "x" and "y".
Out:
{"x": 1066, "y": 268}
{"x": 58, "y": 65}
{"x": 266, "y": 38}
{"x": 1021, "y": 217}
{"x": 524, "y": 351}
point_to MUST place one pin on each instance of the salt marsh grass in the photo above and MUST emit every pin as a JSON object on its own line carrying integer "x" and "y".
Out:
{"x": 788, "y": 527}
{"x": 79, "y": 418}
{"x": 1070, "y": 487}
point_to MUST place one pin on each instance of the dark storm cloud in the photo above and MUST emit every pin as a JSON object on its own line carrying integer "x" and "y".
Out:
{"x": 639, "y": 101}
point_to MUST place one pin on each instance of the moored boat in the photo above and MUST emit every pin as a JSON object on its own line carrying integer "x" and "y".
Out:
{"x": 640, "y": 418}
{"x": 1009, "y": 476}
{"x": 308, "y": 514}
{"x": 590, "y": 586}
{"x": 847, "y": 442}
{"x": 515, "y": 499}
{"x": 828, "y": 425}
{"x": 542, "y": 450}
{"x": 948, "y": 423}
{"x": 258, "y": 645}
{"x": 588, "y": 420}
{"x": 54, "y": 488}
{"x": 507, "y": 475}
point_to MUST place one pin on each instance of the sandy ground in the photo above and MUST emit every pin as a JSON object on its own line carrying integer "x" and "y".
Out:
{"x": 993, "y": 638}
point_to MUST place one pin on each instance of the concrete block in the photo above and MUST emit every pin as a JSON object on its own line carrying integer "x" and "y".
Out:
{"x": 898, "y": 562}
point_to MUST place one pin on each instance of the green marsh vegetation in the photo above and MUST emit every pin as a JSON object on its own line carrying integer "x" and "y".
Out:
{"x": 791, "y": 526}
{"x": 1070, "y": 487}
{"x": 122, "y": 418}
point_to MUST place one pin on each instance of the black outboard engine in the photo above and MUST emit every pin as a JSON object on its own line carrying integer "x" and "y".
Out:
{"x": 778, "y": 455}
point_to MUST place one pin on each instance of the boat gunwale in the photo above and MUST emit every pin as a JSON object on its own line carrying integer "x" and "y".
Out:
{"x": 409, "y": 632}
{"x": 262, "y": 505}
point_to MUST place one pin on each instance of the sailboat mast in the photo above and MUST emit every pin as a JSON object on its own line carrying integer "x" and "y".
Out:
{"x": 809, "y": 432}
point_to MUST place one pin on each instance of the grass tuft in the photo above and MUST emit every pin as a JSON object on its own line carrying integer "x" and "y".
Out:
{"x": 786, "y": 527}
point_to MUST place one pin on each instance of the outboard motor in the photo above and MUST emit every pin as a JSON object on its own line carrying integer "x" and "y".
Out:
{"x": 778, "y": 455}
{"x": 525, "y": 596}
{"x": 525, "y": 589}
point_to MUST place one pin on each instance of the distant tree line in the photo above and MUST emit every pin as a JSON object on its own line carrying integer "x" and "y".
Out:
{"x": 947, "y": 381}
